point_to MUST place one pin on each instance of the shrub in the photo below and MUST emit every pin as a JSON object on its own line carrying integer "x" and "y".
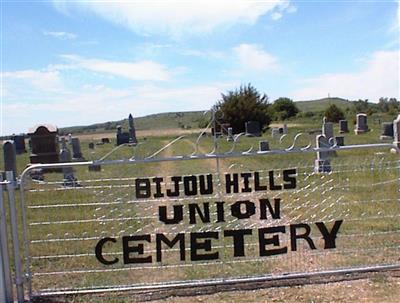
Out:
{"x": 334, "y": 113}
{"x": 284, "y": 108}
{"x": 242, "y": 105}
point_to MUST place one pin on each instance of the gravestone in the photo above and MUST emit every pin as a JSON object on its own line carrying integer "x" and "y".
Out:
{"x": 44, "y": 144}
{"x": 68, "y": 172}
{"x": 327, "y": 129}
{"x": 263, "y": 146}
{"x": 275, "y": 132}
{"x": 216, "y": 130}
{"x": 387, "y": 131}
{"x": 361, "y": 124}
{"x": 37, "y": 174}
{"x": 285, "y": 129}
{"x": 65, "y": 154}
{"x": 224, "y": 128}
{"x": 19, "y": 142}
{"x": 10, "y": 157}
{"x": 132, "y": 131}
{"x": 339, "y": 140}
{"x": 322, "y": 163}
{"x": 105, "y": 140}
{"x": 76, "y": 148}
{"x": 119, "y": 129}
{"x": 91, "y": 145}
{"x": 94, "y": 167}
{"x": 396, "y": 133}
{"x": 230, "y": 134}
{"x": 253, "y": 128}
{"x": 343, "y": 126}
{"x": 122, "y": 137}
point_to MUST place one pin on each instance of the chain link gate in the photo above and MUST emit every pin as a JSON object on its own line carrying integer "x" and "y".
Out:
{"x": 169, "y": 221}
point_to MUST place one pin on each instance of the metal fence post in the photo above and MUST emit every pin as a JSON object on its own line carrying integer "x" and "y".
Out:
{"x": 6, "y": 291}
{"x": 19, "y": 282}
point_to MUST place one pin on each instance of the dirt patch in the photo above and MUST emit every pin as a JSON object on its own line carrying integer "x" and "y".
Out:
{"x": 139, "y": 133}
{"x": 288, "y": 124}
{"x": 361, "y": 287}
{"x": 378, "y": 289}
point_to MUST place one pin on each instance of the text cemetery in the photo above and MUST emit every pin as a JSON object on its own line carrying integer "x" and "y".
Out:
{"x": 273, "y": 239}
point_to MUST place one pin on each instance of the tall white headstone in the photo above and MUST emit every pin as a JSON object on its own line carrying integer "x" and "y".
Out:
{"x": 322, "y": 163}
{"x": 230, "y": 134}
{"x": 275, "y": 132}
{"x": 327, "y": 129}
{"x": 396, "y": 132}
{"x": 68, "y": 172}
{"x": 285, "y": 129}
{"x": 361, "y": 124}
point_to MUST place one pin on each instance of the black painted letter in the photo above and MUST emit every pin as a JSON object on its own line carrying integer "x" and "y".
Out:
{"x": 99, "y": 251}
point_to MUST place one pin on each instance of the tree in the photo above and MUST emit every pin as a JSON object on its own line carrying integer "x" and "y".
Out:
{"x": 284, "y": 108}
{"x": 334, "y": 113}
{"x": 386, "y": 105}
{"x": 383, "y": 105}
{"x": 361, "y": 106}
{"x": 242, "y": 105}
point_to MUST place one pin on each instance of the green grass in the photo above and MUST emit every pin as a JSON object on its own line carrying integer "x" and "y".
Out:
{"x": 359, "y": 188}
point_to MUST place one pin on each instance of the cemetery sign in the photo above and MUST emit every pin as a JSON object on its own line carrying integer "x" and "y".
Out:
{"x": 200, "y": 243}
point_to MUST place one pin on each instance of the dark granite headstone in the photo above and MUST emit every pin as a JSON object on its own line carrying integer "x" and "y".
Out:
{"x": 122, "y": 138}
{"x": 217, "y": 132}
{"x": 253, "y": 128}
{"x": 44, "y": 144}
{"x": 105, "y": 140}
{"x": 224, "y": 128}
{"x": 19, "y": 141}
{"x": 10, "y": 158}
{"x": 339, "y": 140}
{"x": 343, "y": 126}
{"x": 94, "y": 167}
{"x": 263, "y": 146}
{"x": 387, "y": 131}
{"x": 76, "y": 148}
{"x": 91, "y": 145}
{"x": 132, "y": 131}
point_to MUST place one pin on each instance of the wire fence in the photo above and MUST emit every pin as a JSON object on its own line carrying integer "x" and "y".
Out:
{"x": 132, "y": 225}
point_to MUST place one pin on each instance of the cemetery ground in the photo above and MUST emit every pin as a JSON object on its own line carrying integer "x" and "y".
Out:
{"x": 353, "y": 175}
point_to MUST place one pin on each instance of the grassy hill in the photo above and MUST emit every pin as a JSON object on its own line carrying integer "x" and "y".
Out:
{"x": 322, "y": 104}
{"x": 186, "y": 120}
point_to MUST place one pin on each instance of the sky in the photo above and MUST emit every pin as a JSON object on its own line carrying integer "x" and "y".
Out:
{"x": 82, "y": 62}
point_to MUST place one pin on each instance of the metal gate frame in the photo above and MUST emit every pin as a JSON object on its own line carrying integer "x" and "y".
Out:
{"x": 23, "y": 276}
